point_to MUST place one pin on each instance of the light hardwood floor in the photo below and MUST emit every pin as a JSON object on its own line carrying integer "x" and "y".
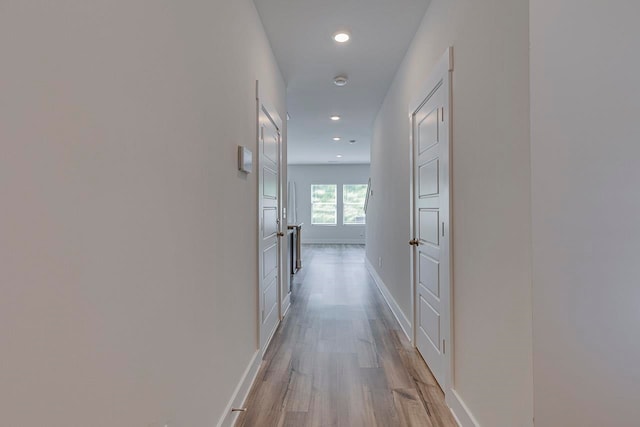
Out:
{"x": 340, "y": 358}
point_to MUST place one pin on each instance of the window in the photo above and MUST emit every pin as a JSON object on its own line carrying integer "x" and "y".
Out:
{"x": 324, "y": 201}
{"x": 353, "y": 197}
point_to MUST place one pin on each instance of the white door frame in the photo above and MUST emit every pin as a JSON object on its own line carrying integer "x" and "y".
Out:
{"x": 283, "y": 202}
{"x": 264, "y": 107}
{"x": 440, "y": 76}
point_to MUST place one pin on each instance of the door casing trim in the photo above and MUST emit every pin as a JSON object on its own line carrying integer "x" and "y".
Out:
{"x": 440, "y": 76}
{"x": 266, "y": 108}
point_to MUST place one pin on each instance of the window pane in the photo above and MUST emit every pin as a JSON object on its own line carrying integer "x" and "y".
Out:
{"x": 324, "y": 204}
{"x": 354, "y": 193}
{"x": 323, "y": 194}
{"x": 353, "y": 197}
{"x": 323, "y": 214}
{"x": 353, "y": 214}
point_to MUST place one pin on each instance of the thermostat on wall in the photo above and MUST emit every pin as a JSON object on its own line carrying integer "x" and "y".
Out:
{"x": 245, "y": 159}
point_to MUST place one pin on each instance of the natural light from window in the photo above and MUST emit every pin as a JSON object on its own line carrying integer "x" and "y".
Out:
{"x": 353, "y": 197}
{"x": 324, "y": 202}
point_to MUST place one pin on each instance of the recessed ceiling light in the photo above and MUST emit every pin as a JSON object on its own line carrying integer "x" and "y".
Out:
{"x": 336, "y": 138}
{"x": 339, "y": 156}
{"x": 335, "y": 118}
{"x": 341, "y": 37}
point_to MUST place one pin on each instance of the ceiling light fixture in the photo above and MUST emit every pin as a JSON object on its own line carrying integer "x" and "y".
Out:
{"x": 352, "y": 141}
{"x": 336, "y": 138}
{"x": 340, "y": 80}
{"x": 339, "y": 156}
{"x": 335, "y": 118}
{"x": 342, "y": 36}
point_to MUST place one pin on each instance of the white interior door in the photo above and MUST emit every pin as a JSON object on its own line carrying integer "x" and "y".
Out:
{"x": 431, "y": 198}
{"x": 269, "y": 231}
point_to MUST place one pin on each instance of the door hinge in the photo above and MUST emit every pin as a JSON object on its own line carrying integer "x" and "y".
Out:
{"x": 443, "y": 229}
{"x": 444, "y": 348}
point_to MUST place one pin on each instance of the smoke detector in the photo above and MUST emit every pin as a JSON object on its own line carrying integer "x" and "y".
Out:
{"x": 340, "y": 80}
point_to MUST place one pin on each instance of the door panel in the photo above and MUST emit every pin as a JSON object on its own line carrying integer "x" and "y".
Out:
{"x": 270, "y": 261}
{"x": 270, "y": 299}
{"x": 271, "y": 142}
{"x": 429, "y": 274}
{"x": 428, "y": 334}
{"x": 270, "y": 221}
{"x": 270, "y": 184}
{"x": 428, "y": 130}
{"x": 428, "y": 226}
{"x": 430, "y": 323}
{"x": 429, "y": 183}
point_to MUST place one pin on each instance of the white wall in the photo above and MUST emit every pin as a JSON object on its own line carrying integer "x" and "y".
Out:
{"x": 491, "y": 197}
{"x": 585, "y": 104}
{"x": 306, "y": 175}
{"x": 127, "y": 274}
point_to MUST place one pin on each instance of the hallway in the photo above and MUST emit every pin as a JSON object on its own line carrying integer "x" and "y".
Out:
{"x": 340, "y": 358}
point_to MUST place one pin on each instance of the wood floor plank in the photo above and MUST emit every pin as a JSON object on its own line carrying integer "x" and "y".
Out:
{"x": 410, "y": 408}
{"x": 295, "y": 419}
{"x": 299, "y": 392}
{"x": 383, "y": 407}
{"x": 438, "y": 410}
{"x": 340, "y": 357}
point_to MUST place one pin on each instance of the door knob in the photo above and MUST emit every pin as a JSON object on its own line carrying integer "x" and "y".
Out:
{"x": 280, "y": 234}
{"x": 414, "y": 242}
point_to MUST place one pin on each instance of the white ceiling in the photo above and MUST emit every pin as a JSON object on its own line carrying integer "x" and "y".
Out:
{"x": 301, "y": 32}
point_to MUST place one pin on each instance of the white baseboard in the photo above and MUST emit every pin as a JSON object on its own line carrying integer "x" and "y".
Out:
{"x": 359, "y": 241}
{"x": 241, "y": 392}
{"x": 405, "y": 324}
{"x": 460, "y": 411}
{"x": 286, "y": 304}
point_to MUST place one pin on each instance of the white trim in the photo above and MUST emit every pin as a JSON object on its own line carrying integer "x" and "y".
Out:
{"x": 286, "y": 303}
{"x": 241, "y": 392}
{"x": 403, "y": 320}
{"x": 313, "y": 241}
{"x": 460, "y": 410}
